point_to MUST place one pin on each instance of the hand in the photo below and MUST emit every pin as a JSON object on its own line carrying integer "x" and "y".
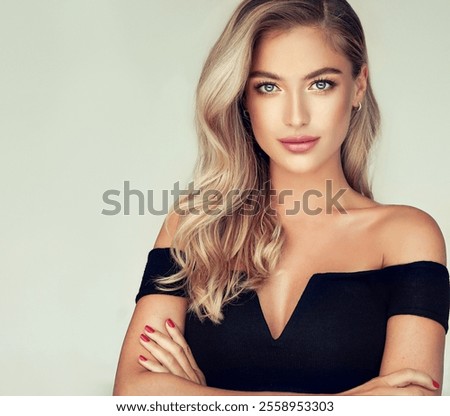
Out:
{"x": 405, "y": 382}
{"x": 170, "y": 354}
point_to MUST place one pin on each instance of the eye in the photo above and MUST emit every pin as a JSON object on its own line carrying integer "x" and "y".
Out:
{"x": 323, "y": 85}
{"x": 266, "y": 88}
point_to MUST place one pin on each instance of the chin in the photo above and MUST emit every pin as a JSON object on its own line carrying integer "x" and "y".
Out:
{"x": 297, "y": 168}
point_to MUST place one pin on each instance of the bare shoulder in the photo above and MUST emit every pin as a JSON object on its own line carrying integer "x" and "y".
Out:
{"x": 152, "y": 310}
{"x": 168, "y": 229}
{"x": 410, "y": 234}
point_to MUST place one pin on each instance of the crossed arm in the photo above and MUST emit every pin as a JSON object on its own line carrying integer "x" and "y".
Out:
{"x": 170, "y": 368}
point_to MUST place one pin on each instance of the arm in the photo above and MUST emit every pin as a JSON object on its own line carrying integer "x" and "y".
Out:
{"x": 131, "y": 377}
{"x": 424, "y": 242}
{"x": 426, "y": 354}
{"x": 134, "y": 380}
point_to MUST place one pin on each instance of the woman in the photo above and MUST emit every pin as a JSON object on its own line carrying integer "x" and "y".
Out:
{"x": 279, "y": 273}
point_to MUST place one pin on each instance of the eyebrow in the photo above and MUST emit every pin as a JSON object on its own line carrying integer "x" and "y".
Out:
{"x": 311, "y": 75}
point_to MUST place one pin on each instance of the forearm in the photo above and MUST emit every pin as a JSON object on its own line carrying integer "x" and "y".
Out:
{"x": 151, "y": 384}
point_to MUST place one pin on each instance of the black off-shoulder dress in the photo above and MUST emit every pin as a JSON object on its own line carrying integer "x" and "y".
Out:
{"x": 334, "y": 339}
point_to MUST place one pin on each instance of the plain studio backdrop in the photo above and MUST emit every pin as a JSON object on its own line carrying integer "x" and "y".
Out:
{"x": 97, "y": 96}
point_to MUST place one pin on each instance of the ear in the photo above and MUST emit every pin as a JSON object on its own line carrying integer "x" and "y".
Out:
{"x": 360, "y": 85}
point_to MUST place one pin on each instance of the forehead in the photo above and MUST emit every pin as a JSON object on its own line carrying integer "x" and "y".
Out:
{"x": 300, "y": 50}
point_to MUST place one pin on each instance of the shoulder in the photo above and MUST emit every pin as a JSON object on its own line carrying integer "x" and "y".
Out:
{"x": 409, "y": 234}
{"x": 168, "y": 230}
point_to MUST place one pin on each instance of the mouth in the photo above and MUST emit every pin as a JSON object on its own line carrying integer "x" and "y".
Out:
{"x": 299, "y": 144}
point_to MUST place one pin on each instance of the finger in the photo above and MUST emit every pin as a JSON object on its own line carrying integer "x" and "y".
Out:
{"x": 144, "y": 340}
{"x": 152, "y": 365}
{"x": 148, "y": 354}
{"x": 178, "y": 337}
{"x": 163, "y": 356}
{"x": 201, "y": 376}
{"x": 176, "y": 351}
{"x": 411, "y": 390}
{"x": 163, "y": 352}
{"x": 407, "y": 376}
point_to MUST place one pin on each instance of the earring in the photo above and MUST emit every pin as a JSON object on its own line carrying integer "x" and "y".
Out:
{"x": 246, "y": 114}
{"x": 359, "y": 107}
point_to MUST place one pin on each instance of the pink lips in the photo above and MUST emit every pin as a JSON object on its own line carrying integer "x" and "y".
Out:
{"x": 299, "y": 144}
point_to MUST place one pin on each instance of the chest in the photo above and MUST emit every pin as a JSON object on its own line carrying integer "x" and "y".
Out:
{"x": 283, "y": 291}
{"x": 336, "y": 333}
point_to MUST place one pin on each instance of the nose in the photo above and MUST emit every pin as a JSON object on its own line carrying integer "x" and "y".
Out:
{"x": 296, "y": 111}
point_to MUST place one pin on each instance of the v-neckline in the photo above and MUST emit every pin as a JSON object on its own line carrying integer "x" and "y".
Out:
{"x": 293, "y": 313}
{"x": 307, "y": 288}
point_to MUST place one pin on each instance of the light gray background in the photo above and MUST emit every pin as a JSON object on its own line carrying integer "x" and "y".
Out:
{"x": 94, "y": 93}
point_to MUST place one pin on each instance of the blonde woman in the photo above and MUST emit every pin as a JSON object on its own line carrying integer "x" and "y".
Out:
{"x": 279, "y": 273}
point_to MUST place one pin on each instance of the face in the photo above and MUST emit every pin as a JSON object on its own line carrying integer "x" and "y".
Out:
{"x": 301, "y": 88}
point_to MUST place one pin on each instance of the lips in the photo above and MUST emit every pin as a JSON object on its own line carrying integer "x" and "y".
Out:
{"x": 299, "y": 144}
{"x": 298, "y": 139}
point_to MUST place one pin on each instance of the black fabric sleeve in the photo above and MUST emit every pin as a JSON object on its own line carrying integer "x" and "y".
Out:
{"x": 420, "y": 288}
{"x": 159, "y": 263}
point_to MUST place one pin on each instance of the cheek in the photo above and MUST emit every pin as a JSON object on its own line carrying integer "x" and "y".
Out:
{"x": 264, "y": 117}
{"x": 336, "y": 114}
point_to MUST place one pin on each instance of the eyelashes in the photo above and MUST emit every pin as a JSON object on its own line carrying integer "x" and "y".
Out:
{"x": 268, "y": 88}
{"x": 323, "y": 83}
{"x": 271, "y": 86}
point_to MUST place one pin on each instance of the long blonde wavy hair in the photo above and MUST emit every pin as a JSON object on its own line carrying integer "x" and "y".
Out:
{"x": 231, "y": 175}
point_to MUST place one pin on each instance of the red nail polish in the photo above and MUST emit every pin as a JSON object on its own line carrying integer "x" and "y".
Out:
{"x": 436, "y": 384}
{"x": 142, "y": 358}
{"x": 170, "y": 323}
{"x": 149, "y": 329}
{"x": 145, "y": 338}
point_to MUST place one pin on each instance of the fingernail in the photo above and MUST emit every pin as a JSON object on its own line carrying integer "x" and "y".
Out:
{"x": 149, "y": 329}
{"x": 436, "y": 384}
{"x": 170, "y": 323}
{"x": 142, "y": 358}
{"x": 145, "y": 338}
